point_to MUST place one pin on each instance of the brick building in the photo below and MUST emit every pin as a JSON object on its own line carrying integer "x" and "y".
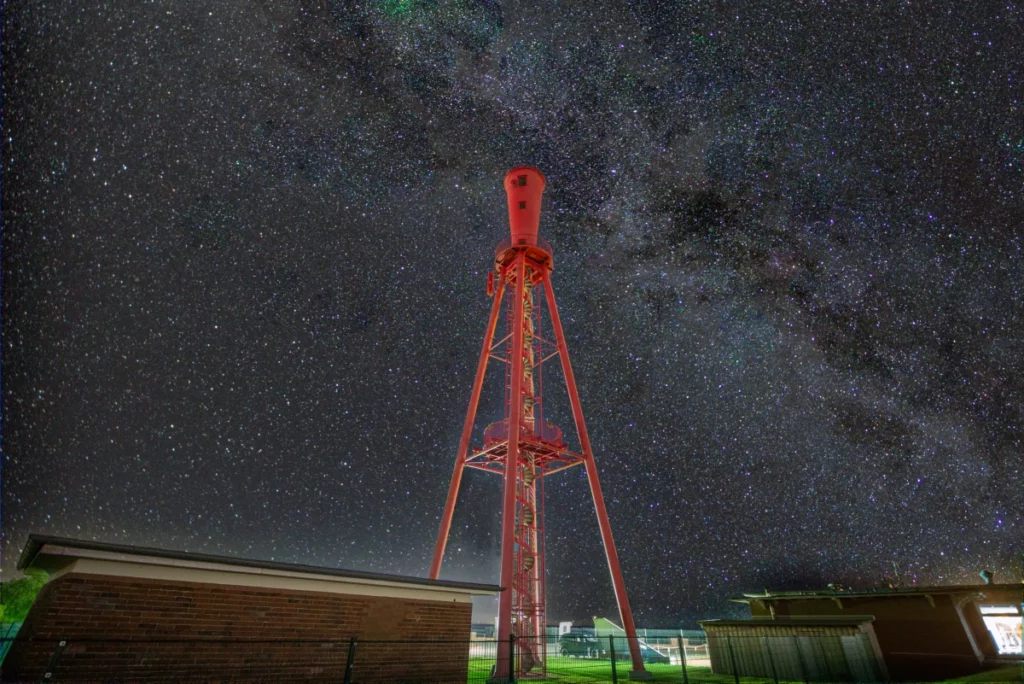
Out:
{"x": 909, "y": 633}
{"x": 112, "y": 611}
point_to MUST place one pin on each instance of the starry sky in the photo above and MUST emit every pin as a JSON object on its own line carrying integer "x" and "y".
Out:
{"x": 245, "y": 249}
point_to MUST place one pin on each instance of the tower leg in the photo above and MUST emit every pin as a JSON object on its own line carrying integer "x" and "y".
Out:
{"x": 542, "y": 587}
{"x": 467, "y": 431}
{"x": 508, "y": 509}
{"x": 595, "y": 490}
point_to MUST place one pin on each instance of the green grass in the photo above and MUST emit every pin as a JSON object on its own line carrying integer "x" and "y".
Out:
{"x": 586, "y": 670}
{"x": 601, "y": 671}
{"x": 1010, "y": 674}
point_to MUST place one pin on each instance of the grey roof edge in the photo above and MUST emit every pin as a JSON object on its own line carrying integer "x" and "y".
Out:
{"x": 790, "y": 621}
{"x": 37, "y": 541}
{"x": 866, "y": 593}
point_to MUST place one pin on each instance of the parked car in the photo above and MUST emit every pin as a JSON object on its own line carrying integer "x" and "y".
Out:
{"x": 579, "y": 645}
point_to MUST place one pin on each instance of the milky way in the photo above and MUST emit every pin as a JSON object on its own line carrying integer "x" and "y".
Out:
{"x": 245, "y": 249}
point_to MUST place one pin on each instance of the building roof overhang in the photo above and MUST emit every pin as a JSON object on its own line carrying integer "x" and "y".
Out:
{"x": 800, "y": 620}
{"x": 57, "y": 554}
{"x": 830, "y": 594}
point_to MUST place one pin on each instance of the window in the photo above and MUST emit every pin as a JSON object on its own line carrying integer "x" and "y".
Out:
{"x": 522, "y": 181}
{"x": 1004, "y": 624}
{"x": 522, "y": 205}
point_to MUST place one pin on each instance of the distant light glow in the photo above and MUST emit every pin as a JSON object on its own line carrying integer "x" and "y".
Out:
{"x": 999, "y": 610}
{"x": 1006, "y": 632}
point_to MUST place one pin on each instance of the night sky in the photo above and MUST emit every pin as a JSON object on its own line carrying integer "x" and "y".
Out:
{"x": 245, "y": 249}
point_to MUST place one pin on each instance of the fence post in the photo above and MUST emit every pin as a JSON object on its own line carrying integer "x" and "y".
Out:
{"x": 611, "y": 650}
{"x": 351, "y": 657}
{"x": 732, "y": 659}
{"x": 512, "y": 658}
{"x": 55, "y": 659}
{"x": 682, "y": 657}
{"x": 800, "y": 659}
{"x": 771, "y": 660}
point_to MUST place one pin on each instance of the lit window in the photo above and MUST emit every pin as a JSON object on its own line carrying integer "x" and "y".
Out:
{"x": 1004, "y": 624}
{"x": 999, "y": 610}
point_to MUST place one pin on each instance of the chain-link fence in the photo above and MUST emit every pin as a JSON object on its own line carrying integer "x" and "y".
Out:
{"x": 683, "y": 659}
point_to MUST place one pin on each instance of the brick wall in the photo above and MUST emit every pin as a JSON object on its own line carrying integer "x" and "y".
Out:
{"x": 159, "y": 630}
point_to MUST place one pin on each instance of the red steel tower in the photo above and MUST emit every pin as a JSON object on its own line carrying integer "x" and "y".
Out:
{"x": 524, "y": 448}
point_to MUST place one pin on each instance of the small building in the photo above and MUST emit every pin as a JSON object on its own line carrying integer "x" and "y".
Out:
{"x": 118, "y": 612}
{"x": 811, "y": 649}
{"x": 907, "y": 633}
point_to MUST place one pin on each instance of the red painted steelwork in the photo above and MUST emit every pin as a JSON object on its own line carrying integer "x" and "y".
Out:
{"x": 523, "y": 447}
{"x": 508, "y": 508}
{"x": 524, "y": 186}
{"x": 467, "y": 431}
{"x": 595, "y": 486}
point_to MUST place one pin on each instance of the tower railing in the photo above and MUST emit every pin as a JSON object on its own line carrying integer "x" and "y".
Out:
{"x": 507, "y": 244}
{"x": 545, "y": 431}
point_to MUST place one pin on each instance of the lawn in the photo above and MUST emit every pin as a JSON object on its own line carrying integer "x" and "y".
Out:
{"x": 586, "y": 670}
{"x": 1012, "y": 674}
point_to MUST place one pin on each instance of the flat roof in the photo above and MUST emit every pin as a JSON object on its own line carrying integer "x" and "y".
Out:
{"x": 45, "y": 545}
{"x": 876, "y": 593}
{"x": 790, "y": 621}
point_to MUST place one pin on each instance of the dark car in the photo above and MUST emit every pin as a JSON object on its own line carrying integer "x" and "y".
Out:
{"x": 579, "y": 645}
